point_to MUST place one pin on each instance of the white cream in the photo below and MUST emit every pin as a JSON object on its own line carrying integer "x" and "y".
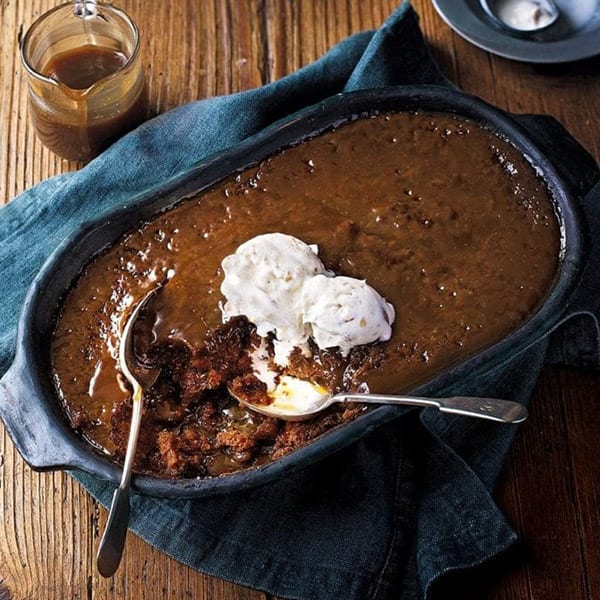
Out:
{"x": 345, "y": 312}
{"x": 279, "y": 283}
{"x": 525, "y": 15}
{"x": 263, "y": 281}
{"x": 293, "y": 396}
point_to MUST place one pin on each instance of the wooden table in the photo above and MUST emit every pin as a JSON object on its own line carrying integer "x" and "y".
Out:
{"x": 49, "y": 527}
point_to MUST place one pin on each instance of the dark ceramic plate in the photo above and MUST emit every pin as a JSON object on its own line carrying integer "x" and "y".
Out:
{"x": 575, "y": 36}
{"x": 28, "y": 404}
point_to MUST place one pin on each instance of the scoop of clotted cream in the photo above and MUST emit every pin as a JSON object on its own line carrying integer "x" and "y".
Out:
{"x": 279, "y": 283}
{"x": 345, "y": 312}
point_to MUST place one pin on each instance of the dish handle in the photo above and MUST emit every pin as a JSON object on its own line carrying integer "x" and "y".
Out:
{"x": 33, "y": 428}
{"x": 579, "y": 338}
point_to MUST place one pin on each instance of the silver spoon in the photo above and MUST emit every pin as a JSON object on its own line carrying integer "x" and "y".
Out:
{"x": 522, "y": 17}
{"x": 295, "y": 399}
{"x": 140, "y": 377}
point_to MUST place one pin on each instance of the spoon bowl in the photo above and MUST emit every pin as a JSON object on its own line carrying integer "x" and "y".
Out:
{"x": 295, "y": 399}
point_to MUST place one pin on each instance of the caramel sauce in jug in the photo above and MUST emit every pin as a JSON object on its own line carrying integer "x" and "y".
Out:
{"x": 94, "y": 122}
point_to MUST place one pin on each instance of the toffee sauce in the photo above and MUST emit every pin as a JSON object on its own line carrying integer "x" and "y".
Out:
{"x": 77, "y": 135}
{"x": 447, "y": 221}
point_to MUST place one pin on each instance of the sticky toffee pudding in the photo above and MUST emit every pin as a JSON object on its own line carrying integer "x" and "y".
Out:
{"x": 446, "y": 220}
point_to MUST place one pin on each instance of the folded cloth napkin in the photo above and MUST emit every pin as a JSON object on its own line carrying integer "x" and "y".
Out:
{"x": 387, "y": 516}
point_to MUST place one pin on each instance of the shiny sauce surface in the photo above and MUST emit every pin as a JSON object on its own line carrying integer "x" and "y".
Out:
{"x": 81, "y": 67}
{"x": 447, "y": 221}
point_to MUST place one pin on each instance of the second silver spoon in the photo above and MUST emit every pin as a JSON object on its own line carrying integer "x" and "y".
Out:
{"x": 295, "y": 399}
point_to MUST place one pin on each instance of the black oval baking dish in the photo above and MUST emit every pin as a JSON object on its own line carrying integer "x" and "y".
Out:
{"x": 28, "y": 403}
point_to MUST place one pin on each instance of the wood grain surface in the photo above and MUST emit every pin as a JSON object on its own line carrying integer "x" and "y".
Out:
{"x": 49, "y": 527}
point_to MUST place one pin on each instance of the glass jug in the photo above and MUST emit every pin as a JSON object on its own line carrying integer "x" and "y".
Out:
{"x": 85, "y": 80}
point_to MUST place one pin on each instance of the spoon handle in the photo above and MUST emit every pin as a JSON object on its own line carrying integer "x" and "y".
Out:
{"x": 112, "y": 543}
{"x": 505, "y": 411}
{"x": 494, "y": 409}
{"x": 111, "y": 546}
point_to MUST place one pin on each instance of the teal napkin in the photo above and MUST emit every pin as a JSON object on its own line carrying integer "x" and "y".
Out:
{"x": 388, "y": 516}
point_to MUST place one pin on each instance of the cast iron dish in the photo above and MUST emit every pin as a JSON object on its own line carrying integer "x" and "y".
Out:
{"x": 28, "y": 404}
